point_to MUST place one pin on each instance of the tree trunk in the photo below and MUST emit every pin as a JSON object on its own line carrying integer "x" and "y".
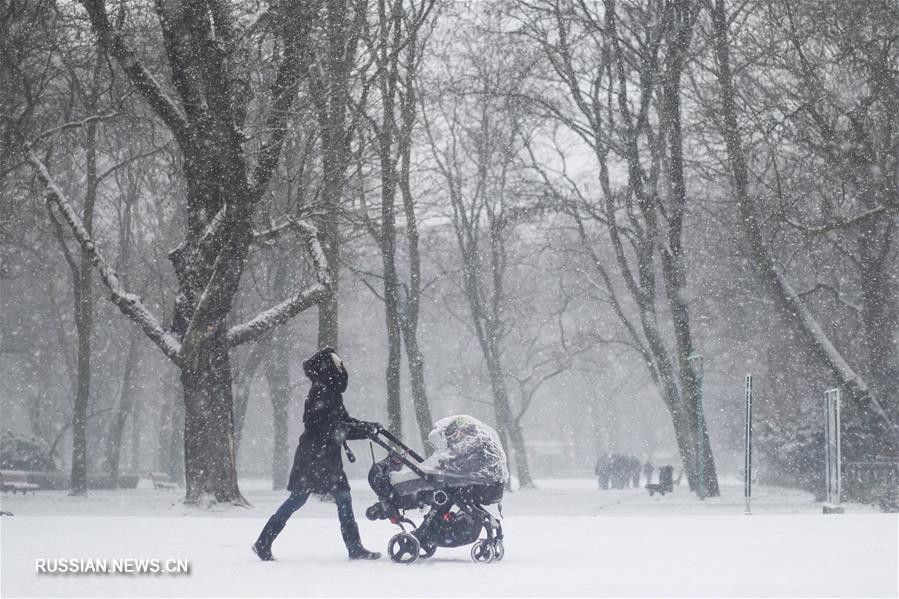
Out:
{"x": 84, "y": 323}
{"x": 509, "y": 427}
{"x": 417, "y": 383}
{"x": 392, "y": 371}
{"x": 126, "y": 395}
{"x": 78, "y": 480}
{"x": 409, "y": 315}
{"x": 338, "y": 61}
{"x": 209, "y": 460}
{"x": 135, "y": 438}
{"x": 175, "y": 465}
{"x": 674, "y": 270}
{"x": 387, "y": 243}
{"x": 277, "y": 373}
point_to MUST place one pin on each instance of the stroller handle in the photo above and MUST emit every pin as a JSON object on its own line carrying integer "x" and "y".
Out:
{"x": 393, "y": 439}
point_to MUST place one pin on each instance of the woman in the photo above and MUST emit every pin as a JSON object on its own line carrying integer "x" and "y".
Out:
{"x": 317, "y": 464}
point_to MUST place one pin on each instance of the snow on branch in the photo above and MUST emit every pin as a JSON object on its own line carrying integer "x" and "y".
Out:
{"x": 269, "y": 319}
{"x": 842, "y": 224}
{"x": 310, "y": 236}
{"x": 129, "y": 303}
{"x": 279, "y": 314}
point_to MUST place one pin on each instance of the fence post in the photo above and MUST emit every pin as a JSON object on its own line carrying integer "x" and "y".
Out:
{"x": 747, "y": 457}
{"x": 832, "y": 452}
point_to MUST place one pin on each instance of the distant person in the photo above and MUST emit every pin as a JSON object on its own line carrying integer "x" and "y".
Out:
{"x": 317, "y": 464}
{"x": 648, "y": 469}
{"x": 603, "y": 464}
{"x": 666, "y": 478}
{"x": 634, "y": 467}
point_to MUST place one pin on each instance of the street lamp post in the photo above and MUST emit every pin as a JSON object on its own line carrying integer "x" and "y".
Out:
{"x": 695, "y": 362}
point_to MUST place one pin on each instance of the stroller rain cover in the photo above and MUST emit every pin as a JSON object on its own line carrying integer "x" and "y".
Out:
{"x": 467, "y": 450}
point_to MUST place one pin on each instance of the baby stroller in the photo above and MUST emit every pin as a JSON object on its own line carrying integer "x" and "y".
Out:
{"x": 466, "y": 472}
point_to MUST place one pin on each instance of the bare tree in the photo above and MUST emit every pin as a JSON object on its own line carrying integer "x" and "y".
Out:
{"x": 395, "y": 45}
{"x": 327, "y": 66}
{"x": 476, "y": 138}
{"x": 620, "y": 75}
{"x": 853, "y": 161}
{"x": 225, "y": 183}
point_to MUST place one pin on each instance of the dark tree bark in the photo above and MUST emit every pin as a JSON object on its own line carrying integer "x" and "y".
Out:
{"x": 328, "y": 74}
{"x": 84, "y": 307}
{"x": 277, "y": 373}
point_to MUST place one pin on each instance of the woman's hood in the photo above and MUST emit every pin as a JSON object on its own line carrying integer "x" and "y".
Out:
{"x": 323, "y": 368}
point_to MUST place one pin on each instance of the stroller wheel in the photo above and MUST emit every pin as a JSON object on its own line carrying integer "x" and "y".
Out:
{"x": 482, "y": 552}
{"x": 403, "y": 548}
{"x": 499, "y": 550}
{"x": 427, "y": 551}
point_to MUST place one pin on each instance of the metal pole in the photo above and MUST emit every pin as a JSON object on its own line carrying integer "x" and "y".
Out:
{"x": 693, "y": 359}
{"x": 827, "y": 436}
{"x": 839, "y": 456}
{"x": 747, "y": 464}
{"x": 833, "y": 452}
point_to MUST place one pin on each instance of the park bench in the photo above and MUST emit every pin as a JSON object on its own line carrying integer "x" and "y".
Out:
{"x": 162, "y": 482}
{"x": 15, "y": 481}
{"x": 665, "y": 484}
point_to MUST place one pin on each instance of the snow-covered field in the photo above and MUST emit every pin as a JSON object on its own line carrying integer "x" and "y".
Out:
{"x": 564, "y": 539}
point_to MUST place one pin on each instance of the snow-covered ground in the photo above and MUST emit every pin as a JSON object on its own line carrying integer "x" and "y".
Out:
{"x": 564, "y": 539}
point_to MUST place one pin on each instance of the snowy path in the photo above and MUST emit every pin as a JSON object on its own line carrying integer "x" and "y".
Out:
{"x": 565, "y": 539}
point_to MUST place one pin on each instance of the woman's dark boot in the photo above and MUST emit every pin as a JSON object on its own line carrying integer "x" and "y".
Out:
{"x": 350, "y": 532}
{"x": 263, "y": 545}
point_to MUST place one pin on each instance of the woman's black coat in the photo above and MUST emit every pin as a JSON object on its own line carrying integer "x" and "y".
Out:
{"x": 317, "y": 464}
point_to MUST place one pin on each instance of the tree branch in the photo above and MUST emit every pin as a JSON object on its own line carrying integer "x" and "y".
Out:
{"x": 129, "y": 303}
{"x": 269, "y": 319}
{"x": 139, "y": 76}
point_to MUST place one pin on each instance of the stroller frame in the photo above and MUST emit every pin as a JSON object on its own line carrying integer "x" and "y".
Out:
{"x": 406, "y": 547}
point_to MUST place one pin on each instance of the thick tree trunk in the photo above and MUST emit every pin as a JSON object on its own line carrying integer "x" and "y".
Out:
{"x": 209, "y": 459}
{"x": 340, "y": 52}
{"x": 392, "y": 373}
{"x": 387, "y": 243}
{"x": 78, "y": 480}
{"x": 674, "y": 269}
{"x": 84, "y": 307}
{"x": 328, "y": 308}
